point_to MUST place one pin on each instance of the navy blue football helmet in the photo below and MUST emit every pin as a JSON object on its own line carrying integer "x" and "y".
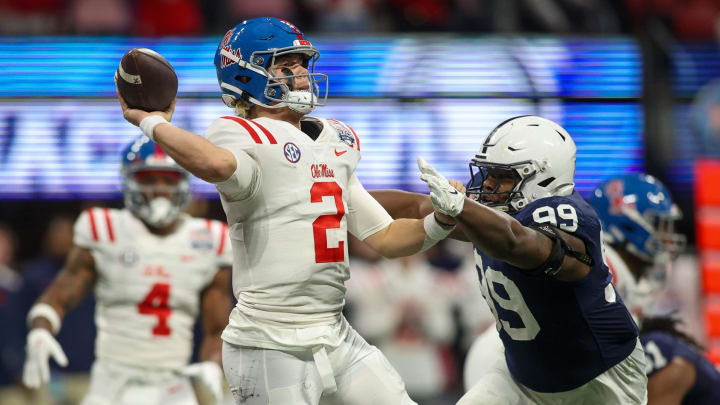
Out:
{"x": 247, "y": 52}
{"x": 637, "y": 213}
{"x": 142, "y": 157}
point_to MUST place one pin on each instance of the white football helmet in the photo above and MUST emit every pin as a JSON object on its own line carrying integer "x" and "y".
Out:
{"x": 537, "y": 152}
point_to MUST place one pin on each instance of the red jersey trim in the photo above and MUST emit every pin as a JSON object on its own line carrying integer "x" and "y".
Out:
{"x": 266, "y": 132}
{"x": 223, "y": 232}
{"x": 247, "y": 127}
{"x": 108, "y": 221}
{"x": 93, "y": 227}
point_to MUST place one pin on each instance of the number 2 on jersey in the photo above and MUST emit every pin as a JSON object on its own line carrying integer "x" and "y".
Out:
{"x": 156, "y": 303}
{"x": 324, "y": 254}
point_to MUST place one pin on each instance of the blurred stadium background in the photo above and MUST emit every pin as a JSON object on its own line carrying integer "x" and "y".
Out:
{"x": 634, "y": 82}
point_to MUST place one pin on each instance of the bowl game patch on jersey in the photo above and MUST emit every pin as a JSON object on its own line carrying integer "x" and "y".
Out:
{"x": 345, "y": 133}
{"x": 201, "y": 239}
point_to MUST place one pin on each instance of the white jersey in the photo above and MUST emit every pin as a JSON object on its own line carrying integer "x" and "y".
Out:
{"x": 637, "y": 295}
{"x": 288, "y": 228}
{"x": 148, "y": 287}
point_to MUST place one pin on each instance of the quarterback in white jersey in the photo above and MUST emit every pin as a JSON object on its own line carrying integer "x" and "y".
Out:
{"x": 153, "y": 268}
{"x": 288, "y": 186}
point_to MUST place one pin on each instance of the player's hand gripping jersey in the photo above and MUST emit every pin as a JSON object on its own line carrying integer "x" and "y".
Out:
{"x": 290, "y": 205}
{"x": 148, "y": 287}
{"x": 558, "y": 335}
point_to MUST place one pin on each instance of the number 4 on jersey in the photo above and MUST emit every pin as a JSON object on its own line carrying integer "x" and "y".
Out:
{"x": 156, "y": 303}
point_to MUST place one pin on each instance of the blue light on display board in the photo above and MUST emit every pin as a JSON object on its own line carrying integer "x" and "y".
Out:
{"x": 61, "y": 132}
{"x": 358, "y": 67}
{"x": 693, "y": 66}
{"x": 70, "y": 148}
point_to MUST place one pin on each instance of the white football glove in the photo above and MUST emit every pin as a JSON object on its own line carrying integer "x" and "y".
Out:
{"x": 445, "y": 198}
{"x": 209, "y": 374}
{"x": 41, "y": 345}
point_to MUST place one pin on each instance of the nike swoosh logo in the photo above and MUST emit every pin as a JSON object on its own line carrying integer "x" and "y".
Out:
{"x": 339, "y": 153}
{"x": 454, "y": 192}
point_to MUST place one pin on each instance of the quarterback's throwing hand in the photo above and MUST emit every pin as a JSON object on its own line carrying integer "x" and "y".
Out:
{"x": 445, "y": 198}
{"x": 210, "y": 374}
{"x": 41, "y": 345}
{"x": 134, "y": 116}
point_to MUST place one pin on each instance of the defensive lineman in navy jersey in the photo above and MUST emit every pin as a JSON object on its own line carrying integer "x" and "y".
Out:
{"x": 577, "y": 329}
{"x": 567, "y": 336}
{"x": 678, "y": 373}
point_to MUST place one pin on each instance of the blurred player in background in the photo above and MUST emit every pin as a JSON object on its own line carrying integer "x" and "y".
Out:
{"x": 638, "y": 215}
{"x": 567, "y": 336}
{"x": 288, "y": 186}
{"x": 153, "y": 269}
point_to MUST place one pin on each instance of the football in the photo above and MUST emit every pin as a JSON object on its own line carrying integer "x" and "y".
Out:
{"x": 146, "y": 80}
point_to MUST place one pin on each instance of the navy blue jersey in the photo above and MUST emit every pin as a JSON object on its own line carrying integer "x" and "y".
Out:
{"x": 558, "y": 335}
{"x": 661, "y": 347}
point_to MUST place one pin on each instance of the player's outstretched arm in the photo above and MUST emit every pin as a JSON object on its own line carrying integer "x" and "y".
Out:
{"x": 369, "y": 221}
{"x": 403, "y": 204}
{"x": 669, "y": 385}
{"x": 45, "y": 317}
{"x": 191, "y": 151}
{"x": 498, "y": 234}
{"x": 215, "y": 302}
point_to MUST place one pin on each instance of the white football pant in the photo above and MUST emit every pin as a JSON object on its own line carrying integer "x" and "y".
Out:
{"x": 116, "y": 384}
{"x": 354, "y": 373}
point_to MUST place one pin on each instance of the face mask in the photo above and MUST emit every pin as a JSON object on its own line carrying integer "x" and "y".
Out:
{"x": 305, "y": 99}
{"x": 161, "y": 212}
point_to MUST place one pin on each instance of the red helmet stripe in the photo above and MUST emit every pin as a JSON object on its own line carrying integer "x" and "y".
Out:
{"x": 158, "y": 151}
{"x": 294, "y": 28}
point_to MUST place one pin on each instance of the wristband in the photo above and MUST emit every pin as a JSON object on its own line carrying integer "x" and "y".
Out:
{"x": 148, "y": 124}
{"x": 441, "y": 223}
{"x": 434, "y": 232}
{"x": 46, "y": 311}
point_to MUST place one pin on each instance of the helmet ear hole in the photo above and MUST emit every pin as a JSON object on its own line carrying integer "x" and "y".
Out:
{"x": 242, "y": 79}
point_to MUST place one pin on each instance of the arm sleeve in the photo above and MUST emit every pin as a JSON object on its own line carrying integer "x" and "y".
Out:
{"x": 244, "y": 183}
{"x": 365, "y": 215}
